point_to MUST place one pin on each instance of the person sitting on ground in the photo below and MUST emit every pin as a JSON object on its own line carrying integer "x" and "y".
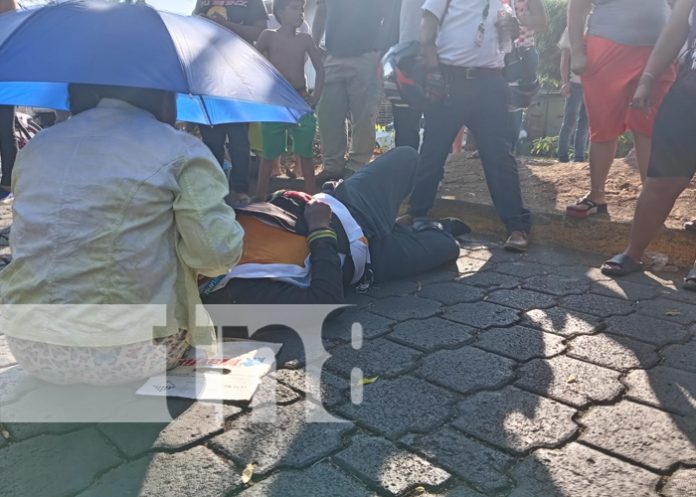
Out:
{"x": 673, "y": 159}
{"x": 139, "y": 212}
{"x": 296, "y": 252}
{"x": 287, "y": 50}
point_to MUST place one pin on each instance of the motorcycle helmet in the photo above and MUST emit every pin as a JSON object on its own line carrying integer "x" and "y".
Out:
{"x": 404, "y": 75}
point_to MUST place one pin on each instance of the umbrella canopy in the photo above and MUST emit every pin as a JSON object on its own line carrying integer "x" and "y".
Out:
{"x": 218, "y": 77}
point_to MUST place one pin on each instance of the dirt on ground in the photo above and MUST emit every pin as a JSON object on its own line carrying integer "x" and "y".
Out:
{"x": 549, "y": 186}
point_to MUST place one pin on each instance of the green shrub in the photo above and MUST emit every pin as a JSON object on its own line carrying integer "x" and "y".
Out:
{"x": 545, "y": 147}
{"x": 547, "y": 44}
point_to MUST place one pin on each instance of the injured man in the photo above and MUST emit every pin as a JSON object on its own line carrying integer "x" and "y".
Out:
{"x": 301, "y": 249}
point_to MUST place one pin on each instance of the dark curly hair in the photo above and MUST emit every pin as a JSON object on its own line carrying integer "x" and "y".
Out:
{"x": 279, "y": 5}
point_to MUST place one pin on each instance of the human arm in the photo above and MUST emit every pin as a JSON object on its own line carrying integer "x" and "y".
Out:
{"x": 263, "y": 43}
{"x": 428, "y": 35}
{"x": 535, "y": 17}
{"x": 315, "y": 56}
{"x": 577, "y": 16}
{"x": 319, "y": 23}
{"x": 565, "y": 72}
{"x": 665, "y": 52}
{"x": 210, "y": 239}
{"x": 8, "y": 6}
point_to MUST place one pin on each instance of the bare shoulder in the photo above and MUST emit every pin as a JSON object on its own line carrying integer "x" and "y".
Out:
{"x": 306, "y": 39}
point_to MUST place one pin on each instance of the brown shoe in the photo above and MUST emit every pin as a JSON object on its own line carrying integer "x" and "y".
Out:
{"x": 518, "y": 241}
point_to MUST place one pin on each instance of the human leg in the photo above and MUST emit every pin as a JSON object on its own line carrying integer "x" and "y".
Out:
{"x": 364, "y": 89}
{"x": 239, "y": 149}
{"x": 580, "y": 143}
{"x": 8, "y": 144}
{"x": 406, "y": 126}
{"x": 303, "y": 145}
{"x": 214, "y": 137}
{"x": 570, "y": 119}
{"x": 331, "y": 116}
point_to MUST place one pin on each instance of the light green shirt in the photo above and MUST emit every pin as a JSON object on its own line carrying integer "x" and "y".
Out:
{"x": 117, "y": 209}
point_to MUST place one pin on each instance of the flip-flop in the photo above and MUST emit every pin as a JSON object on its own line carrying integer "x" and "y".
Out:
{"x": 584, "y": 208}
{"x": 621, "y": 265}
{"x": 690, "y": 280}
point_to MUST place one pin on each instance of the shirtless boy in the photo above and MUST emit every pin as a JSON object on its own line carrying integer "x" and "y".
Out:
{"x": 287, "y": 50}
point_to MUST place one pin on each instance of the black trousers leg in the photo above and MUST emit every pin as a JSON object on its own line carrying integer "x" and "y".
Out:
{"x": 8, "y": 144}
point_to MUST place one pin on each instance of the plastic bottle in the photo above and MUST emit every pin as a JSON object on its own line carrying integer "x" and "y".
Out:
{"x": 504, "y": 37}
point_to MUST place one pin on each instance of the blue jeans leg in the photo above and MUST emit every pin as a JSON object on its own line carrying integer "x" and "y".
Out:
{"x": 570, "y": 120}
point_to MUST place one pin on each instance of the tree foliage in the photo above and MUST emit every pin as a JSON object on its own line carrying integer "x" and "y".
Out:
{"x": 547, "y": 43}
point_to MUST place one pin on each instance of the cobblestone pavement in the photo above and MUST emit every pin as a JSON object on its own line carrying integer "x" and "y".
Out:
{"x": 509, "y": 375}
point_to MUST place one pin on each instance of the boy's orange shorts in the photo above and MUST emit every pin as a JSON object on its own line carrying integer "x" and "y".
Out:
{"x": 609, "y": 83}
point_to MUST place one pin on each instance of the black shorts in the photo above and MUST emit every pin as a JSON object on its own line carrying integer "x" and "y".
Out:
{"x": 674, "y": 136}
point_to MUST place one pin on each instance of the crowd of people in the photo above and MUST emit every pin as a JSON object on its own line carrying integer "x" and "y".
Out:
{"x": 139, "y": 215}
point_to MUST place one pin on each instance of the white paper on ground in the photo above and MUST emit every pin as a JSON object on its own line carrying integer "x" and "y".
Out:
{"x": 233, "y": 375}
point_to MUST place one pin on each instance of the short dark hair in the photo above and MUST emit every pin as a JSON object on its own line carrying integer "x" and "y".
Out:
{"x": 279, "y": 5}
{"x": 160, "y": 103}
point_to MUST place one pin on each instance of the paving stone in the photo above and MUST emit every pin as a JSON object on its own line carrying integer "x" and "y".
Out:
{"x": 553, "y": 257}
{"x": 321, "y": 480}
{"x": 468, "y": 264}
{"x": 381, "y": 464}
{"x": 359, "y": 300}
{"x": 447, "y": 273}
{"x": 681, "y": 484}
{"x": 521, "y": 299}
{"x": 14, "y": 383}
{"x": 431, "y": 334}
{"x": 467, "y": 369}
{"x": 482, "y": 315}
{"x": 669, "y": 310}
{"x": 681, "y": 356}
{"x": 522, "y": 269}
{"x": 6, "y": 357}
{"x": 625, "y": 290}
{"x": 394, "y": 407}
{"x": 516, "y": 420}
{"x": 520, "y": 343}
{"x": 408, "y": 307}
{"x": 198, "y": 472}
{"x": 647, "y": 329}
{"x": 642, "y": 434}
{"x": 558, "y": 285}
{"x": 574, "y": 382}
{"x": 50, "y": 465}
{"x": 598, "y": 305}
{"x": 579, "y": 471}
{"x": 489, "y": 279}
{"x": 289, "y": 441}
{"x": 339, "y": 329}
{"x": 593, "y": 273}
{"x": 199, "y": 421}
{"x": 452, "y": 292}
{"x": 470, "y": 460}
{"x": 332, "y": 389}
{"x": 271, "y": 391}
{"x": 665, "y": 388}
{"x": 378, "y": 357}
{"x": 454, "y": 492}
{"x": 561, "y": 321}
{"x": 613, "y": 351}
{"x": 24, "y": 431}
{"x": 393, "y": 288}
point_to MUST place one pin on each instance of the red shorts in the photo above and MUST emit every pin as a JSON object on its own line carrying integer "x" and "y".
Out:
{"x": 609, "y": 83}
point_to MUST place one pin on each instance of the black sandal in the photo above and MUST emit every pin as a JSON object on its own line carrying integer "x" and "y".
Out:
{"x": 590, "y": 209}
{"x": 621, "y": 265}
{"x": 690, "y": 280}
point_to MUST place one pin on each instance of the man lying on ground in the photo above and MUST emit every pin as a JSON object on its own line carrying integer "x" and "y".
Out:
{"x": 305, "y": 250}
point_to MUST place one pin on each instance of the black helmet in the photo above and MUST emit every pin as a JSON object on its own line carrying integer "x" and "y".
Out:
{"x": 404, "y": 75}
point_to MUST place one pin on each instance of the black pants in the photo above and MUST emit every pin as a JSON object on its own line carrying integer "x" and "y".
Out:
{"x": 373, "y": 195}
{"x": 8, "y": 144}
{"x": 237, "y": 138}
{"x": 482, "y": 106}
{"x": 406, "y": 126}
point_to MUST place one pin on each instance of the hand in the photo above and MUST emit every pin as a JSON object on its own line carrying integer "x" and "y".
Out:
{"x": 430, "y": 58}
{"x": 312, "y": 100}
{"x": 317, "y": 215}
{"x": 643, "y": 96}
{"x": 565, "y": 90}
{"x": 578, "y": 63}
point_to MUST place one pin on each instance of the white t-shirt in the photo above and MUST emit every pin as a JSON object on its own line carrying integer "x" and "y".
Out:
{"x": 410, "y": 20}
{"x": 456, "y": 39}
{"x": 564, "y": 44}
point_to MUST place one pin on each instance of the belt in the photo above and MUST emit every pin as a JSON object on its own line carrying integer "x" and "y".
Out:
{"x": 472, "y": 72}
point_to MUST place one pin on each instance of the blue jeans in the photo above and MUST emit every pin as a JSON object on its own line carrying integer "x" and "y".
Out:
{"x": 481, "y": 105}
{"x": 574, "y": 116}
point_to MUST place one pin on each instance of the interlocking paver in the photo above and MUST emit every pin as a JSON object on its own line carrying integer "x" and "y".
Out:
{"x": 482, "y": 315}
{"x": 579, "y": 471}
{"x": 321, "y": 480}
{"x": 516, "y": 420}
{"x": 561, "y": 321}
{"x": 331, "y": 389}
{"x": 670, "y": 389}
{"x": 393, "y": 288}
{"x": 669, "y": 310}
{"x": 522, "y": 268}
{"x": 599, "y": 305}
{"x": 489, "y": 279}
{"x": 339, "y": 329}
{"x": 613, "y": 351}
{"x": 381, "y": 464}
{"x": 522, "y": 299}
{"x": 558, "y": 285}
{"x": 431, "y": 334}
{"x": 394, "y": 407}
{"x": 470, "y": 460}
{"x": 408, "y": 307}
{"x": 6, "y": 357}
{"x": 681, "y": 484}
{"x": 647, "y": 329}
{"x": 72, "y": 460}
{"x": 289, "y": 441}
{"x": 642, "y": 434}
{"x": 625, "y": 290}
{"x": 454, "y": 492}
{"x": 468, "y": 264}
{"x": 467, "y": 369}
{"x": 452, "y": 292}
{"x": 14, "y": 382}
{"x": 520, "y": 343}
{"x": 571, "y": 381}
{"x": 23, "y": 431}
{"x": 681, "y": 356}
{"x": 199, "y": 421}
{"x": 378, "y": 357}
{"x": 198, "y": 472}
